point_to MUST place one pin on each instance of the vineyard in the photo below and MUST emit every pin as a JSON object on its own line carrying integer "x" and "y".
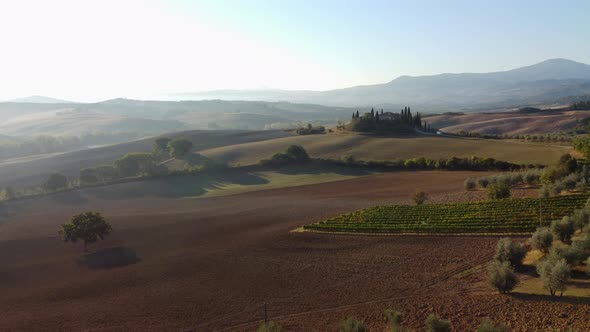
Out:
{"x": 516, "y": 215}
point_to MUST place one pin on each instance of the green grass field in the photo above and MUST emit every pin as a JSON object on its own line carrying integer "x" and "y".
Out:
{"x": 390, "y": 148}
{"x": 515, "y": 215}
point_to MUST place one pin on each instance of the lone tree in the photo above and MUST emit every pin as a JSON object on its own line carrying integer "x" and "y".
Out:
{"x": 433, "y": 324}
{"x": 511, "y": 252}
{"x": 501, "y": 277}
{"x": 555, "y": 273}
{"x": 420, "y": 197}
{"x": 179, "y": 147}
{"x": 55, "y": 182}
{"x": 542, "y": 239}
{"x": 88, "y": 227}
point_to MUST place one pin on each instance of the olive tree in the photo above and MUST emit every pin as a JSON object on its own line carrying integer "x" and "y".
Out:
{"x": 498, "y": 190}
{"x": 542, "y": 239}
{"x": 269, "y": 327}
{"x": 161, "y": 146}
{"x": 419, "y": 197}
{"x": 433, "y": 324}
{"x": 581, "y": 218}
{"x": 501, "y": 277}
{"x": 509, "y": 251}
{"x": 563, "y": 229}
{"x": 394, "y": 319}
{"x": 554, "y": 272}
{"x": 352, "y": 325}
{"x": 88, "y": 227}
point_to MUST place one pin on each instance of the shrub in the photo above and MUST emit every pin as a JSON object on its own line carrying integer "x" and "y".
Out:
{"x": 498, "y": 190}
{"x": 488, "y": 325}
{"x": 433, "y": 324}
{"x": 420, "y": 197}
{"x": 511, "y": 252}
{"x": 269, "y": 327}
{"x": 542, "y": 239}
{"x": 483, "y": 182}
{"x": 352, "y": 325}
{"x": 395, "y": 320}
{"x": 469, "y": 184}
{"x": 563, "y": 229}
{"x": 554, "y": 272}
{"x": 501, "y": 277}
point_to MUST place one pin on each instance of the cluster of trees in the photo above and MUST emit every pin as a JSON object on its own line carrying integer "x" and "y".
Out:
{"x": 394, "y": 321}
{"x": 580, "y": 106}
{"x": 555, "y": 268}
{"x": 529, "y": 177}
{"x": 138, "y": 163}
{"x": 309, "y": 129}
{"x": 541, "y": 138}
{"x": 293, "y": 155}
{"x": 373, "y": 121}
{"x": 41, "y": 144}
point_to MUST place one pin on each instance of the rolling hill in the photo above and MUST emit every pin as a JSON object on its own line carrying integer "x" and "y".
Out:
{"x": 511, "y": 122}
{"x": 26, "y": 172}
{"x": 540, "y": 83}
{"x": 388, "y": 148}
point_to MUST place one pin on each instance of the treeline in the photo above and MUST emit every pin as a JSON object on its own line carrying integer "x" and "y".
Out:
{"x": 546, "y": 138}
{"x": 404, "y": 121}
{"x": 394, "y": 323}
{"x": 450, "y": 164}
{"x": 41, "y": 144}
{"x": 580, "y": 106}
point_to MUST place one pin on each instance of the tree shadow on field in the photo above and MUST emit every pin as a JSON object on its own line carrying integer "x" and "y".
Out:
{"x": 110, "y": 258}
{"x": 313, "y": 168}
{"x": 70, "y": 198}
{"x": 547, "y": 298}
{"x": 178, "y": 186}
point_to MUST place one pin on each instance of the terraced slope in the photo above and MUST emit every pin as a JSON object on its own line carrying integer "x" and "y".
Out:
{"x": 515, "y": 215}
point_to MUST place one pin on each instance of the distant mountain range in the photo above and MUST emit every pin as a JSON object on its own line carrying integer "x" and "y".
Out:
{"x": 39, "y": 100}
{"x": 541, "y": 83}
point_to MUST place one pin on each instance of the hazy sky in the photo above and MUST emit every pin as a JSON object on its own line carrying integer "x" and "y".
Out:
{"x": 92, "y": 50}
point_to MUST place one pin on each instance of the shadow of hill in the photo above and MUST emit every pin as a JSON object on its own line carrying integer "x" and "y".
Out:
{"x": 110, "y": 258}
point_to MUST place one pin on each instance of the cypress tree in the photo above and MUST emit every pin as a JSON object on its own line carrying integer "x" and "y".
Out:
{"x": 357, "y": 114}
{"x": 372, "y": 112}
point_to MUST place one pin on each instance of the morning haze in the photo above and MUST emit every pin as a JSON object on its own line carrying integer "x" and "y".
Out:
{"x": 294, "y": 166}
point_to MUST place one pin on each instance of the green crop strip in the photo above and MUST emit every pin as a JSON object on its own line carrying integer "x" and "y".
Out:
{"x": 516, "y": 215}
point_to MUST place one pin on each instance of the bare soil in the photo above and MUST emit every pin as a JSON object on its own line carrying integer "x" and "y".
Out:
{"x": 210, "y": 264}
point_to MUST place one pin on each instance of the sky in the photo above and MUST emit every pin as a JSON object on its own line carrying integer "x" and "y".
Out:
{"x": 94, "y": 50}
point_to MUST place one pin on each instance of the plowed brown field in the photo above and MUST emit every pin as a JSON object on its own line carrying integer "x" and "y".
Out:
{"x": 209, "y": 264}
